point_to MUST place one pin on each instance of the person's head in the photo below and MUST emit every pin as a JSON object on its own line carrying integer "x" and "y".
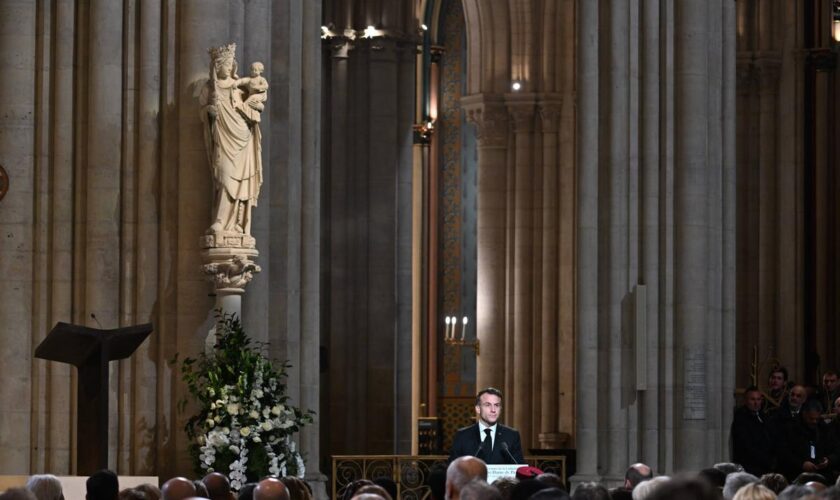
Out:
{"x": 754, "y": 491}
{"x": 131, "y": 494}
{"x": 461, "y": 471}
{"x": 735, "y": 482}
{"x": 778, "y": 378}
{"x": 715, "y": 477}
{"x": 729, "y": 467}
{"x": 794, "y": 492}
{"x": 257, "y": 69}
{"x": 298, "y": 489}
{"x": 224, "y": 61}
{"x": 151, "y": 491}
{"x": 387, "y": 484}
{"x": 350, "y": 490}
{"x": 177, "y": 488}
{"x": 505, "y": 486}
{"x": 830, "y": 381}
{"x": 645, "y": 489}
{"x": 776, "y": 482}
{"x": 551, "y": 494}
{"x": 811, "y": 411}
{"x": 246, "y": 492}
{"x": 102, "y": 485}
{"x": 479, "y": 490}
{"x": 832, "y": 493}
{"x": 271, "y": 489}
{"x": 635, "y": 474}
{"x": 45, "y": 487}
{"x": 798, "y": 395}
{"x": 374, "y": 489}
{"x": 200, "y": 489}
{"x": 552, "y": 480}
{"x": 590, "y": 491}
{"x": 753, "y": 399}
{"x": 18, "y": 494}
{"x": 684, "y": 489}
{"x": 218, "y": 486}
{"x": 526, "y": 489}
{"x": 809, "y": 477}
{"x": 488, "y": 405}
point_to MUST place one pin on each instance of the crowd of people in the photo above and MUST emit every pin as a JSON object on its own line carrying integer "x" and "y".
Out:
{"x": 104, "y": 485}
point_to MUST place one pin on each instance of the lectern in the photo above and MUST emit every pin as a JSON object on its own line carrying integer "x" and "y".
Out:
{"x": 90, "y": 350}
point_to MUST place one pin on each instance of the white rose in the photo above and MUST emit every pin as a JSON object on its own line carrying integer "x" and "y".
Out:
{"x": 254, "y": 414}
{"x": 267, "y": 425}
{"x": 233, "y": 408}
{"x": 256, "y": 439}
{"x": 217, "y": 419}
{"x": 245, "y": 431}
{"x": 258, "y": 393}
{"x": 211, "y": 423}
{"x": 277, "y": 410}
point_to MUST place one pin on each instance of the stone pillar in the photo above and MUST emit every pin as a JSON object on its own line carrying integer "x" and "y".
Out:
{"x": 17, "y": 142}
{"x": 488, "y": 114}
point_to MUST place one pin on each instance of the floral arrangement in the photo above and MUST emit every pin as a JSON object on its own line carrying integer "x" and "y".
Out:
{"x": 244, "y": 426}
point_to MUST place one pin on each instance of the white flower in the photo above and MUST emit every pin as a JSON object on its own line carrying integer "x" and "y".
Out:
{"x": 211, "y": 392}
{"x": 256, "y": 439}
{"x": 267, "y": 425}
{"x": 208, "y": 460}
{"x": 213, "y": 406}
{"x": 258, "y": 393}
{"x": 211, "y": 423}
{"x": 233, "y": 408}
{"x": 245, "y": 431}
{"x": 234, "y": 449}
{"x": 277, "y": 410}
{"x": 253, "y": 414}
{"x": 217, "y": 419}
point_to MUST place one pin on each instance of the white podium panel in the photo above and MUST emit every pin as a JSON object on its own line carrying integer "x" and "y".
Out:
{"x": 502, "y": 470}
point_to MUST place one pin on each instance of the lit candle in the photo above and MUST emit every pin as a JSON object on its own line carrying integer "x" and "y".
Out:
{"x": 464, "y": 327}
{"x": 454, "y": 327}
{"x": 446, "y": 330}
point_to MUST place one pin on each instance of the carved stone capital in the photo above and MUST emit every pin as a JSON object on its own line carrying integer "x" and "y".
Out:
{"x": 490, "y": 118}
{"x": 230, "y": 268}
{"x": 522, "y": 109}
{"x": 550, "y": 111}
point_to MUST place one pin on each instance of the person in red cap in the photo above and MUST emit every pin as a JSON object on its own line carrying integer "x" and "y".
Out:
{"x": 487, "y": 439}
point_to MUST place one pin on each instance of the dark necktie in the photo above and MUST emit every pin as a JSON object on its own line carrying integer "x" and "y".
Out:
{"x": 487, "y": 444}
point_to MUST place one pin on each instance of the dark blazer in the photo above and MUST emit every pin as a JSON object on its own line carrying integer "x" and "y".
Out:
{"x": 752, "y": 444}
{"x": 468, "y": 442}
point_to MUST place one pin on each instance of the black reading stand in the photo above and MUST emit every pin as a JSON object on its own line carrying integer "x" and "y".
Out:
{"x": 90, "y": 350}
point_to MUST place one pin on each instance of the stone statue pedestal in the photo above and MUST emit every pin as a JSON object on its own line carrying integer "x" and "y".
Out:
{"x": 229, "y": 264}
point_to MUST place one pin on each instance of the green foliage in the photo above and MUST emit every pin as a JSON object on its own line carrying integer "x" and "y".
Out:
{"x": 244, "y": 425}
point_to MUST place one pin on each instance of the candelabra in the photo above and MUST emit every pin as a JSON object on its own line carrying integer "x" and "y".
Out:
{"x": 451, "y": 337}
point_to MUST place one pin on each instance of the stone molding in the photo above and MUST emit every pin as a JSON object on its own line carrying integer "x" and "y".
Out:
{"x": 550, "y": 108}
{"x": 230, "y": 268}
{"x": 522, "y": 109}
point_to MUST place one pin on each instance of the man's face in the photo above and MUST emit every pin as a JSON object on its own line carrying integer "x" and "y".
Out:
{"x": 810, "y": 418}
{"x": 830, "y": 382}
{"x": 753, "y": 400}
{"x": 777, "y": 381}
{"x": 489, "y": 408}
{"x": 797, "y": 396}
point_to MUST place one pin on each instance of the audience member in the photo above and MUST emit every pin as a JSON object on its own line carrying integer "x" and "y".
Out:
{"x": 621, "y": 494}
{"x": 479, "y": 490}
{"x": 552, "y": 493}
{"x": 350, "y": 490}
{"x": 832, "y": 493}
{"x": 45, "y": 487}
{"x": 776, "y": 482}
{"x": 728, "y": 467}
{"x": 645, "y": 489}
{"x": 752, "y": 446}
{"x": 177, "y": 488}
{"x": 777, "y": 388}
{"x": 552, "y": 480}
{"x": 131, "y": 494}
{"x": 505, "y": 486}
{"x": 272, "y": 489}
{"x": 684, "y": 489}
{"x": 525, "y": 489}
{"x": 388, "y": 484}
{"x": 736, "y": 481}
{"x": 810, "y": 477}
{"x": 152, "y": 492}
{"x": 200, "y": 489}
{"x": 217, "y": 485}
{"x": 715, "y": 477}
{"x": 808, "y": 445}
{"x": 794, "y": 492}
{"x": 635, "y": 474}
{"x": 754, "y": 491}
{"x": 298, "y": 489}
{"x": 830, "y": 389}
{"x": 590, "y": 491}
{"x": 461, "y": 471}
{"x": 816, "y": 486}
{"x": 437, "y": 482}
{"x": 374, "y": 489}
{"x": 246, "y": 492}
{"x": 102, "y": 485}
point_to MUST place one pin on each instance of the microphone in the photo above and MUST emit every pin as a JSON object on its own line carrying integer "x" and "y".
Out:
{"x": 97, "y": 321}
{"x": 506, "y": 451}
{"x": 479, "y": 450}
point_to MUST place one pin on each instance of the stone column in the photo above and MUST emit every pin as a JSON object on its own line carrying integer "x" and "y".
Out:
{"x": 520, "y": 351}
{"x": 488, "y": 114}
{"x": 17, "y": 142}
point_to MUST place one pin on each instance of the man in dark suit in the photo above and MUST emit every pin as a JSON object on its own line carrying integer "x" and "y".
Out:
{"x": 752, "y": 444}
{"x": 487, "y": 439}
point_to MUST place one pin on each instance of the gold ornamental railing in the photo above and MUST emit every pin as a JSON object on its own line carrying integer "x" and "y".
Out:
{"x": 411, "y": 472}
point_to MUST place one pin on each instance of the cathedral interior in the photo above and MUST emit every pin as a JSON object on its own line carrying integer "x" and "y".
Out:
{"x": 620, "y": 213}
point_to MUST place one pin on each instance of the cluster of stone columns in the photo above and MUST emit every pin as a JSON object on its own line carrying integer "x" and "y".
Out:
{"x": 101, "y": 224}
{"x": 656, "y": 235}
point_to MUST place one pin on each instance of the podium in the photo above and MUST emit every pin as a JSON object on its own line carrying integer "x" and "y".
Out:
{"x": 90, "y": 350}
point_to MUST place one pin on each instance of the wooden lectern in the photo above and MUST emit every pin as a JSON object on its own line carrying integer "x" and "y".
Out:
{"x": 90, "y": 350}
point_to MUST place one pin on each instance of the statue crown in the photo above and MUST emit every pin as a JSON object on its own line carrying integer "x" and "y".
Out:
{"x": 223, "y": 52}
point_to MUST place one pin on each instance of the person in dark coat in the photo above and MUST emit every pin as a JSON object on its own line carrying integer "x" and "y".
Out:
{"x": 752, "y": 445}
{"x": 809, "y": 446}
